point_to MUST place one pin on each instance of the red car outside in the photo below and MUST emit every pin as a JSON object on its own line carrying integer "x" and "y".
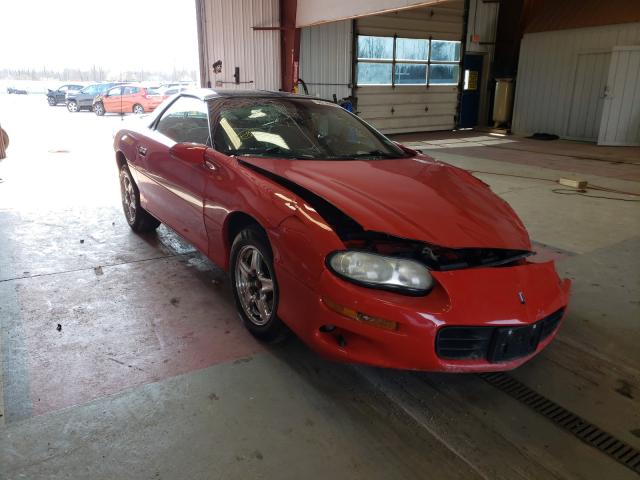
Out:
{"x": 127, "y": 99}
{"x": 369, "y": 251}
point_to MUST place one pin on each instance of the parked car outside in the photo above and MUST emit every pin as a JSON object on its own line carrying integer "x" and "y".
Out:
{"x": 177, "y": 84}
{"x": 83, "y": 99}
{"x": 54, "y": 97}
{"x": 167, "y": 92}
{"x": 16, "y": 91}
{"x": 369, "y": 251}
{"x": 127, "y": 98}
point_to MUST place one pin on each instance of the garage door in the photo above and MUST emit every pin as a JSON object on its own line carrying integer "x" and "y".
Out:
{"x": 407, "y": 68}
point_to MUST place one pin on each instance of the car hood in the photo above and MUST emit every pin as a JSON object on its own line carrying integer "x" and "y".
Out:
{"x": 415, "y": 198}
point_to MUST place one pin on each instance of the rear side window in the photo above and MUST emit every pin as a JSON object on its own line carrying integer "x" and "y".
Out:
{"x": 130, "y": 90}
{"x": 186, "y": 120}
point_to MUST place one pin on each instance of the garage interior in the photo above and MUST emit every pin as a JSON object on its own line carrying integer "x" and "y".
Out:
{"x": 122, "y": 356}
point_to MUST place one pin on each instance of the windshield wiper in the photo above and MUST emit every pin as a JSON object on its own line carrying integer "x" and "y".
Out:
{"x": 274, "y": 151}
{"x": 371, "y": 154}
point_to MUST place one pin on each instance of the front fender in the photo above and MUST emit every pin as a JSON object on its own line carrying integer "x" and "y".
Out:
{"x": 233, "y": 189}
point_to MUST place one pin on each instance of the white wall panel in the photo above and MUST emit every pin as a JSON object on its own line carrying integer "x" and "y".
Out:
{"x": 226, "y": 32}
{"x": 547, "y": 72}
{"x": 325, "y": 59}
{"x": 410, "y": 108}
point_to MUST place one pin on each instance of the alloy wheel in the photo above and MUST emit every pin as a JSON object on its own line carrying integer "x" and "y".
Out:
{"x": 73, "y": 107}
{"x": 254, "y": 284}
{"x": 138, "y": 109}
{"x": 128, "y": 197}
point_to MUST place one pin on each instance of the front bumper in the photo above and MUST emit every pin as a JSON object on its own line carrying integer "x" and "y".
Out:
{"x": 479, "y": 297}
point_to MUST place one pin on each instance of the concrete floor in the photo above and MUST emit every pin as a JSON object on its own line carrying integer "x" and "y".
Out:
{"x": 152, "y": 376}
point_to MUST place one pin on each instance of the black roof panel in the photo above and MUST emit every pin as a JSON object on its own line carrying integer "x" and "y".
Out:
{"x": 210, "y": 94}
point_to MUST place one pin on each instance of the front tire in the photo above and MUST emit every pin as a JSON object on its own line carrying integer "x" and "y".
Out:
{"x": 137, "y": 217}
{"x": 254, "y": 284}
{"x": 98, "y": 109}
{"x": 138, "y": 109}
{"x": 72, "y": 107}
{"x": 52, "y": 101}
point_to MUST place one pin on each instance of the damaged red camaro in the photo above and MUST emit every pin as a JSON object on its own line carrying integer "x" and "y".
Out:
{"x": 369, "y": 251}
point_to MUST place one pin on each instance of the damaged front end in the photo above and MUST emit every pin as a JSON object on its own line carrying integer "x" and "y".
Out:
{"x": 434, "y": 257}
{"x": 389, "y": 292}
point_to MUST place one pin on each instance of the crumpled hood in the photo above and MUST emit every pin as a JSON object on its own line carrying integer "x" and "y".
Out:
{"x": 414, "y": 198}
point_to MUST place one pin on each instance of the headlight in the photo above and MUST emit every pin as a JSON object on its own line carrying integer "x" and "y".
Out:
{"x": 377, "y": 271}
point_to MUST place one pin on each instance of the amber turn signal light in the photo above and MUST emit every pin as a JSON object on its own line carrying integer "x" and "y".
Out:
{"x": 359, "y": 316}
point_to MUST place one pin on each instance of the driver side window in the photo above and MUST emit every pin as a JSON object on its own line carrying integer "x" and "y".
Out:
{"x": 114, "y": 92}
{"x": 186, "y": 120}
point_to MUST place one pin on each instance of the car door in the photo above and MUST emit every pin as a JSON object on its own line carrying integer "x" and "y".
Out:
{"x": 171, "y": 188}
{"x": 112, "y": 100}
{"x": 128, "y": 98}
{"x": 86, "y": 95}
{"x": 61, "y": 93}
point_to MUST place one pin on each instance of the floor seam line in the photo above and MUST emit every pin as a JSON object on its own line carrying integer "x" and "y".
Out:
{"x": 92, "y": 268}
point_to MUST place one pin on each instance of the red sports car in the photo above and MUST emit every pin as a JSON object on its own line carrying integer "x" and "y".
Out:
{"x": 369, "y": 251}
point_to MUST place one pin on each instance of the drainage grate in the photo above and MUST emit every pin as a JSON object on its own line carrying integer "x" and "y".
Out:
{"x": 585, "y": 431}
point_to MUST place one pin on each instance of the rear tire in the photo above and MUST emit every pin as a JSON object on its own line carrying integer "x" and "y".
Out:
{"x": 138, "y": 109}
{"x": 137, "y": 217}
{"x": 254, "y": 285}
{"x": 98, "y": 109}
{"x": 72, "y": 106}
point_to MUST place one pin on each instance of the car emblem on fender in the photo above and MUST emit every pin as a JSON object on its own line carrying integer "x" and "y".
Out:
{"x": 521, "y": 297}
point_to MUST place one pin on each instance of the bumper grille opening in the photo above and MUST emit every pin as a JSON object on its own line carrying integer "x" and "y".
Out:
{"x": 472, "y": 343}
{"x": 463, "y": 342}
{"x": 550, "y": 323}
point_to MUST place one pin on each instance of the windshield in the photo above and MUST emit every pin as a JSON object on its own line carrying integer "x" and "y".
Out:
{"x": 297, "y": 128}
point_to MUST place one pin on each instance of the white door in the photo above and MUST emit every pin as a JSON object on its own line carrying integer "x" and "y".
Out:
{"x": 620, "y": 123}
{"x": 588, "y": 96}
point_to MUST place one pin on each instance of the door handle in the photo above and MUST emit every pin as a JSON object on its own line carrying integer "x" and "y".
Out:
{"x": 142, "y": 151}
{"x": 209, "y": 165}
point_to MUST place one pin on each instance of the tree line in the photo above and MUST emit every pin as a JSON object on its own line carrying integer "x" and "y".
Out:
{"x": 96, "y": 74}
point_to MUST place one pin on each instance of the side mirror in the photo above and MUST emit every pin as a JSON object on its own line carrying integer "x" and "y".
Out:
{"x": 192, "y": 153}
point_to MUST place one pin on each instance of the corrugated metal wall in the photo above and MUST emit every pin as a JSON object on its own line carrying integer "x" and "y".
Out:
{"x": 409, "y": 108}
{"x": 326, "y": 59}
{"x": 547, "y": 72}
{"x": 226, "y": 33}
